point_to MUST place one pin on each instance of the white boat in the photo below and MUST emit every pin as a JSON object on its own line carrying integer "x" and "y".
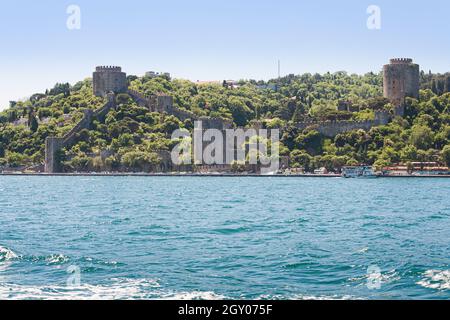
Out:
{"x": 358, "y": 172}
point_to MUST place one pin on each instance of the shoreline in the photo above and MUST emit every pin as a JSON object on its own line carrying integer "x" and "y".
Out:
{"x": 229, "y": 175}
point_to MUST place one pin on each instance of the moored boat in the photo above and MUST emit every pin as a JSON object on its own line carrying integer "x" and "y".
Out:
{"x": 358, "y": 172}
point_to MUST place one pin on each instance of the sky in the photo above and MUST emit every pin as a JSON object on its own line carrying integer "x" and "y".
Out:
{"x": 213, "y": 40}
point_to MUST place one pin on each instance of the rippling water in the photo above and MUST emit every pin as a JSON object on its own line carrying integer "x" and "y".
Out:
{"x": 216, "y": 237}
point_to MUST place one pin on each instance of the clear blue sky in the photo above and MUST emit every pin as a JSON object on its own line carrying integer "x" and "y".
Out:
{"x": 213, "y": 40}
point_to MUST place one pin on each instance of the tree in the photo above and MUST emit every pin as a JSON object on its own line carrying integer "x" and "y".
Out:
{"x": 310, "y": 141}
{"x": 80, "y": 162}
{"x": 12, "y": 115}
{"x": 240, "y": 111}
{"x": 122, "y": 98}
{"x": 36, "y": 97}
{"x": 320, "y": 110}
{"x": 59, "y": 88}
{"x": 409, "y": 153}
{"x": 32, "y": 122}
{"x": 15, "y": 159}
{"x": 377, "y": 103}
{"x": 421, "y": 137}
{"x": 275, "y": 123}
{"x": 446, "y": 155}
{"x": 137, "y": 159}
{"x": 381, "y": 163}
{"x": 83, "y": 135}
{"x": 126, "y": 140}
{"x": 300, "y": 159}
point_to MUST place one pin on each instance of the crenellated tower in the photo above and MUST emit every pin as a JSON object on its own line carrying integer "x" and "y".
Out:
{"x": 109, "y": 79}
{"x": 401, "y": 79}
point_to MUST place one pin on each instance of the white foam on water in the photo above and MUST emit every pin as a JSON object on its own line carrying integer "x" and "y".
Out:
{"x": 56, "y": 259}
{"x": 362, "y": 250}
{"x": 195, "y": 295}
{"x": 306, "y": 297}
{"x": 7, "y": 254}
{"x": 436, "y": 279}
{"x": 384, "y": 277}
{"x": 120, "y": 289}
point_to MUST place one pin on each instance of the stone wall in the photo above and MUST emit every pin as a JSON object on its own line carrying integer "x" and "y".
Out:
{"x": 215, "y": 123}
{"x": 54, "y": 144}
{"x": 101, "y": 113}
{"x": 141, "y": 100}
{"x": 164, "y": 104}
{"x": 333, "y": 128}
{"x": 52, "y": 147}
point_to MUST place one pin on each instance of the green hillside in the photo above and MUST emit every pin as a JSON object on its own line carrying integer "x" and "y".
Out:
{"x": 131, "y": 135}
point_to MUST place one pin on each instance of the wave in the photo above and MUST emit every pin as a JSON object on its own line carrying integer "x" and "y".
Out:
{"x": 362, "y": 250}
{"x": 227, "y": 231}
{"x": 307, "y": 297}
{"x": 132, "y": 289}
{"x": 436, "y": 279}
{"x": 7, "y": 254}
{"x": 384, "y": 277}
{"x": 56, "y": 259}
{"x": 120, "y": 289}
{"x": 195, "y": 295}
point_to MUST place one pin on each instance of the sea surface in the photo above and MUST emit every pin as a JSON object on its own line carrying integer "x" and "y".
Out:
{"x": 224, "y": 238}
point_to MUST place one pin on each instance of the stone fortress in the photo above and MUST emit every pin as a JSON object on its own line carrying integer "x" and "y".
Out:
{"x": 400, "y": 80}
{"x": 109, "y": 79}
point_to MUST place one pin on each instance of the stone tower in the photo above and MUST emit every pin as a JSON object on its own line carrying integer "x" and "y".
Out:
{"x": 401, "y": 79}
{"x": 107, "y": 79}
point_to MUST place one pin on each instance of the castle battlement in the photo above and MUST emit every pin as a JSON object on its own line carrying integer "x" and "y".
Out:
{"x": 332, "y": 122}
{"x": 331, "y": 128}
{"x": 401, "y": 79}
{"x": 210, "y": 118}
{"x": 401, "y": 61}
{"x": 109, "y": 79}
{"x": 108, "y": 69}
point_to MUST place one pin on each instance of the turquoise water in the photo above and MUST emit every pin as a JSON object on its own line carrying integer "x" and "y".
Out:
{"x": 216, "y": 237}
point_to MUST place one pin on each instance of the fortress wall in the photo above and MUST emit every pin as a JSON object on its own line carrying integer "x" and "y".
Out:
{"x": 164, "y": 103}
{"x": 140, "y": 99}
{"x": 54, "y": 144}
{"x": 333, "y": 128}
{"x": 183, "y": 114}
{"x": 101, "y": 113}
{"x": 215, "y": 123}
{"x": 149, "y": 102}
{"x": 84, "y": 123}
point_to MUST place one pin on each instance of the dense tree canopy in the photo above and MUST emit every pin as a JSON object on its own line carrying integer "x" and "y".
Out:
{"x": 131, "y": 135}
